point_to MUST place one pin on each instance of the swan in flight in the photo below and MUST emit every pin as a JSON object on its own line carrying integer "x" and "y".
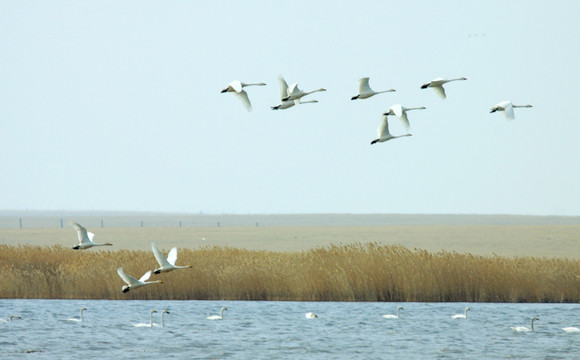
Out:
{"x": 461, "y": 316}
{"x": 218, "y": 317}
{"x": 365, "y": 91}
{"x": 311, "y": 315}
{"x": 391, "y": 316}
{"x": 437, "y": 85}
{"x": 237, "y": 87}
{"x": 523, "y": 328}
{"x": 133, "y": 283}
{"x": 162, "y": 320}
{"x": 150, "y": 320}
{"x": 508, "y": 109}
{"x": 383, "y": 131}
{"x": 10, "y": 318}
{"x": 284, "y": 93}
{"x": 85, "y": 238}
{"x": 401, "y": 112}
{"x": 294, "y": 93}
{"x": 571, "y": 329}
{"x": 80, "y": 319}
{"x": 168, "y": 264}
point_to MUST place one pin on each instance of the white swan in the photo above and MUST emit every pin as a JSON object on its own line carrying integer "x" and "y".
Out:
{"x": 294, "y": 93}
{"x": 133, "y": 283}
{"x": 508, "y": 109}
{"x": 311, "y": 315}
{"x": 162, "y": 320}
{"x": 523, "y": 328}
{"x": 166, "y": 264}
{"x": 85, "y": 238}
{"x": 365, "y": 91}
{"x": 383, "y": 131}
{"x": 237, "y": 87}
{"x": 150, "y": 320}
{"x": 79, "y": 319}
{"x": 391, "y": 316}
{"x": 10, "y": 318}
{"x": 571, "y": 329}
{"x": 461, "y": 316}
{"x": 218, "y": 317}
{"x": 284, "y": 93}
{"x": 437, "y": 85}
{"x": 401, "y": 112}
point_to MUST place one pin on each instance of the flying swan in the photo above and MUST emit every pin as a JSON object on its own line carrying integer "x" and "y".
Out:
{"x": 85, "y": 238}
{"x": 391, "y": 316}
{"x": 133, "y": 283}
{"x": 79, "y": 319}
{"x": 150, "y": 320}
{"x": 294, "y": 93}
{"x": 365, "y": 91}
{"x": 383, "y": 131}
{"x": 237, "y": 87}
{"x": 284, "y": 93}
{"x": 437, "y": 85}
{"x": 218, "y": 317}
{"x": 461, "y": 316}
{"x": 168, "y": 264}
{"x": 311, "y": 315}
{"x": 523, "y": 328}
{"x": 401, "y": 112}
{"x": 508, "y": 109}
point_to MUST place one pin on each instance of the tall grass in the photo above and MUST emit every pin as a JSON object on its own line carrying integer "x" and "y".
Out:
{"x": 360, "y": 272}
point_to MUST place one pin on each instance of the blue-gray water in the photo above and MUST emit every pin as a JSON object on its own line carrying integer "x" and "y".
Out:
{"x": 280, "y": 330}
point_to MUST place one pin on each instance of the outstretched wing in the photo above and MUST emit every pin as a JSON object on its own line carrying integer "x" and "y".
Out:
{"x": 383, "y": 128}
{"x": 243, "y": 96}
{"x": 236, "y": 85}
{"x": 439, "y": 90}
{"x": 159, "y": 256}
{"x": 363, "y": 85}
{"x": 509, "y": 111}
{"x": 81, "y": 232}
{"x": 145, "y": 276}
{"x": 126, "y": 278}
{"x": 172, "y": 257}
{"x": 283, "y": 87}
{"x": 405, "y": 121}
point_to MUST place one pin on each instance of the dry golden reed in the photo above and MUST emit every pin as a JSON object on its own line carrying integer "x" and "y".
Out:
{"x": 359, "y": 272}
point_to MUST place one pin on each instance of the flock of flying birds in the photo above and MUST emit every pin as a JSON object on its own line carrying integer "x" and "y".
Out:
{"x": 292, "y": 96}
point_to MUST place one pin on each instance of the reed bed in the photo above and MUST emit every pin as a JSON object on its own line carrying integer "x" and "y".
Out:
{"x": 357, "y": 272}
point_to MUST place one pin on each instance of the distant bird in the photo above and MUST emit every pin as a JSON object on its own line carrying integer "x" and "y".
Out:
{"x": 365, "y": 91}
{"x": 237, "y": 87}
{"x": 401, "y": 113}
{"x": 10, "y": 318}
{"x": 168, "y": 264}
{"x": 391, "y": 316}
{"x": 79, "y": 319}
{"x": 508, "y": 109}
{"x": 461, "y": 316}
{"x": 571, "y": 329}
{"x": 284, "y": 93}
{"x": 162, "y": 321}
{"x": 311, "y": 315}
{"x": 437, "y": 85}
{"x": 85, "y": 238}
{"x": 133, "y": 283}
{"x": 383, "y": 131}
{"x": 294, "y": 93}
{"x": 523, "y": 328}
{"x": 150, "y": 320}
{"x": 218, "y": 317}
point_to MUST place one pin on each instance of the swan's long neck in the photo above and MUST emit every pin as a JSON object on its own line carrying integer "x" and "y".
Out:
{"x": 222, "y": 312}
{"x": 398, "y": 310}
{"x": 151, "y": 318}
{"x": 401, "y": 135}
{"x": 461, "y": 78}
{"x": 522, "y": 106}
{"x": 253, "y": 84}
{"x": 313, "y": 91}
{"x": 533, "y": 324}
{"x": 153, "y": 282}
{"x": 416, "y": 108}
{"x": 162, "y": 320}
{"x": 82, "y": 315}
{"x": 384, "y": 91}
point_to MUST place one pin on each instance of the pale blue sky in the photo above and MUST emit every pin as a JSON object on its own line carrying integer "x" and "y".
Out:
{"x": 116, "y": 105}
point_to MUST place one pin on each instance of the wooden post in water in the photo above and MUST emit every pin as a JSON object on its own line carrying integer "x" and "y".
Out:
{"x": 61, "y": 225}
{"x": 102, "y": 223}
{"x": 20, "y": 221}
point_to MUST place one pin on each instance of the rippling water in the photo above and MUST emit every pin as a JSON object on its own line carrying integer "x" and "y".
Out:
{"x": 280, "y": 330}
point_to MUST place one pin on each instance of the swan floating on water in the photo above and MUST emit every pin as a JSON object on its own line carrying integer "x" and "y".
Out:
{"x": 150, "y": 320}
{"x": 311, "y": 315}
{"x": 383, "y": 131}
{"x": 508, "y": 109}
{"x": 523, "y": 328}
{"x": 218, "y": 317}
{"x": 237, "y": 87}
{"x": 162, "y": 320}
{"x": 85, "y": 238}
{"x": 461, "y": 316}
{"x": 365, "y": 91}
{"x": 79, "y": 319}
{"x": 391, "y": 316}
{"x": 133, "y": 283}
{"x": 437, "y": 85}
{"x": 10, "y": 318}
{"x": 401, "y": 112}
{"x": 284, "y": 93}
{"x": 168, "y": 264}
{"x": 571, "y": 329}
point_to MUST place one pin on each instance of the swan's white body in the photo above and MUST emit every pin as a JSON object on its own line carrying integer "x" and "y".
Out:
{"x": 391, "y": 316}
{"x": 461, "y": 316}
{"x": 508, "y": 109}
{"x": 237, "y": 87}
{"x": 401, "y": 112}
{"x": 311, "y": 315}
{"x": 523, "y": 328}
{"x": 383, "y": 131}
{"x": 294, "y": 93}
{"x": 284, "y": 93}
{"x": 168, "y": 264}
{"x": 133, "y": 283}
{"x": 437, "y": 85}
{"x": 571, "y": 329}
{"x": 10, "y": 318}
{"x": 85, "y": 238}
{"x": 79, "y": 319}
{"x": 365, "y": 91}
{"x": 218, "y": 317}
{"x": 150, "y": 320}
{"x": 162, "y": 319}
